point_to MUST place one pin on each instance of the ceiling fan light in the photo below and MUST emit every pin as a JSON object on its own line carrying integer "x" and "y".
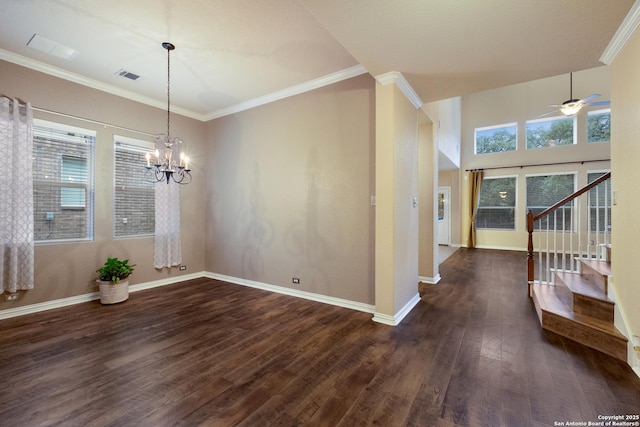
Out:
{"x": 570, "y": 109}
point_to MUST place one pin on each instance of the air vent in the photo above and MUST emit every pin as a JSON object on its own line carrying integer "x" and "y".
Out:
{"x": 127, "y": 74}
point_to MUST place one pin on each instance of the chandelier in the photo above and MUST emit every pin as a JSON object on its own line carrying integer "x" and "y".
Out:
{"x": 170, "y": 163}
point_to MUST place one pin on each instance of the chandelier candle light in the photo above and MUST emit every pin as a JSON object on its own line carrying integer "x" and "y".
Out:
{"x": 166, "y": 168}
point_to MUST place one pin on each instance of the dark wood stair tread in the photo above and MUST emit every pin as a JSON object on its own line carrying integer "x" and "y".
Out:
{"x": 582, "y": 285}
{"x": 550, "y": 302}
{"x": 598, "y": 266}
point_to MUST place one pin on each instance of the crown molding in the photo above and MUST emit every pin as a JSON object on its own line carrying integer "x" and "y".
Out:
{"x": 620, "y": 38}
{"x": 95, "y": 84}
{"x": 332, "y": 78}
{"x": 114, "y": 90}
{"x": 395, "y": 77}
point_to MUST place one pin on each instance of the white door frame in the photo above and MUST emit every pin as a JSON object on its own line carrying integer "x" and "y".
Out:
{"x": 446, "y": 239}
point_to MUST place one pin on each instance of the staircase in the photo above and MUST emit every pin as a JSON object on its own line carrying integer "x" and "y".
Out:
{"x": 577, "y": 307}
{"x": 570, "y": 294}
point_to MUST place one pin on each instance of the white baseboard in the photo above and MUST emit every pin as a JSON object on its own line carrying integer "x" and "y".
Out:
{"x": 163, "y": 282}
{"x": 47, "y": 305}
{"x": 353, "y": 305}
{"x": 501, "y": 248}
{"x": 621, "y": 323}
{"x": 77, "y": 299}
{"x": 430, "y": 280}
{"x": 397, "y": 318}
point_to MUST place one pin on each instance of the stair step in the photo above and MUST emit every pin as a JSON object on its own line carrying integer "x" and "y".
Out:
{"x": 556, "y": 316}
{"x": 598, "y": 270}
{"x": 584, "y": 296}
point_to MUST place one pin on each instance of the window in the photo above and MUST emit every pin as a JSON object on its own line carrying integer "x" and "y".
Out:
{"x": 496, "y": 139}
{"x": 543, "y": 191}
{"x": 550, "y": 132}
{"x": 497, "y": 204}
{"x": 134, "y": 197}
{"x": 63, "y": 159}
{"x": 599, "y": 126}
{"x": 599, "y": 204}
{"x": 74, "y": 174}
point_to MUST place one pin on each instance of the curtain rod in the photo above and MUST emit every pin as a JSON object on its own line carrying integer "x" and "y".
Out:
{"x": 582, "y": 162}
{"x": 20, "y": 101}
{"x": 92, "y": 121}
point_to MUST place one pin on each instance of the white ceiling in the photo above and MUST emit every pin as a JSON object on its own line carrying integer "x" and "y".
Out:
{"x": 232, "y": 54}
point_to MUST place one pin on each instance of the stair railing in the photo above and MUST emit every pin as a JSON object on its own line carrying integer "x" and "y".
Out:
{"x": 562, "y": 234}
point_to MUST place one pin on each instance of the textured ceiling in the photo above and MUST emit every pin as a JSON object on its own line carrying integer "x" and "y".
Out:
{"x": 235, "y": 53}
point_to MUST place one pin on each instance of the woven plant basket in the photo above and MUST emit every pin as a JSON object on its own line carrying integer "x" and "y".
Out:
{"x": 112, "y": 293}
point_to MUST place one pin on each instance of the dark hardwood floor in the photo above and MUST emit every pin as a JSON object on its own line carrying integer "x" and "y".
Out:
{"x": 204, "y": 352}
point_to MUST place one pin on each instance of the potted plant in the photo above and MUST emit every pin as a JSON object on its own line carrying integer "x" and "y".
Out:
{"x": 113, "y": 283}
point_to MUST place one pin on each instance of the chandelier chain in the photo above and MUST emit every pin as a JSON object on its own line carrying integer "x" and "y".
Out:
{"x": 168, "y": 91}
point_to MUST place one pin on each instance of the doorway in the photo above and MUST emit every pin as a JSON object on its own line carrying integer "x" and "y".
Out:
{"x": 444, "y": 216}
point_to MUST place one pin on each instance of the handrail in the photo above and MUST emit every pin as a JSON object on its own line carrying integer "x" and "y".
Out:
{"x": 531, "y": 219}
{"x": 569, "y": 198}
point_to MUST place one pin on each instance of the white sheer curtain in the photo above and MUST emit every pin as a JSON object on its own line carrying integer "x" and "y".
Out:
{"x": 16, "y": 196}
{"x": 167, "y": 249}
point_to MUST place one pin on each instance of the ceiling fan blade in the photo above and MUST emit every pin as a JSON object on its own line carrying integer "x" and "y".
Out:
{"x": 589, "y": 98}
{"x": 599, "y": 103}
{"x": 548, "y": 114}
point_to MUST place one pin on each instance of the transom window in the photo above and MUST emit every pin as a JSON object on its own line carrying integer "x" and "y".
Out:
{"x": 550, "y": 132}
{"x": 496, "y": 139}
{"x": 599, "y": 126}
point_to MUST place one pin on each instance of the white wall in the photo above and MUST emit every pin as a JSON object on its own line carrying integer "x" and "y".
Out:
{"x": 450, "y": 131}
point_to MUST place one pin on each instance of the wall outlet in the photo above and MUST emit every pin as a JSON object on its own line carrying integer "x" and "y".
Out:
{"x": 295, "y": 280}
{"x": 183, "y": 267}
{"x": 11, "y": 297}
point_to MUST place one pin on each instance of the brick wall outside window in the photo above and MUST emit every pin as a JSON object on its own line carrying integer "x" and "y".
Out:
{"x": 134, "y": 197}
{"x": 53, "y": 219}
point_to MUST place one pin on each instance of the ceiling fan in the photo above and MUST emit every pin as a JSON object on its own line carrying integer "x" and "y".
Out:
{"x": 571, "y": 106}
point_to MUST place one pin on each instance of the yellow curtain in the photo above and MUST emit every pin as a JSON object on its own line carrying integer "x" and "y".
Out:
{"x": 475, "y": 181}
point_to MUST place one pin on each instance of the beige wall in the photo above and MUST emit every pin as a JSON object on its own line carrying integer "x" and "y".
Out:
{"x": 519, "y": 103}
{"x": 396, "y": 185}
{"x": 288, "y": 192}
{"x": 625, "y": 176}
{"x": 68, "y": 269}
{"x": 428, "y": 203}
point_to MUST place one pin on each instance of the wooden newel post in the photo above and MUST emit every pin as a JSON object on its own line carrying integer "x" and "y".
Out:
{"x": 530, "y": 267}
